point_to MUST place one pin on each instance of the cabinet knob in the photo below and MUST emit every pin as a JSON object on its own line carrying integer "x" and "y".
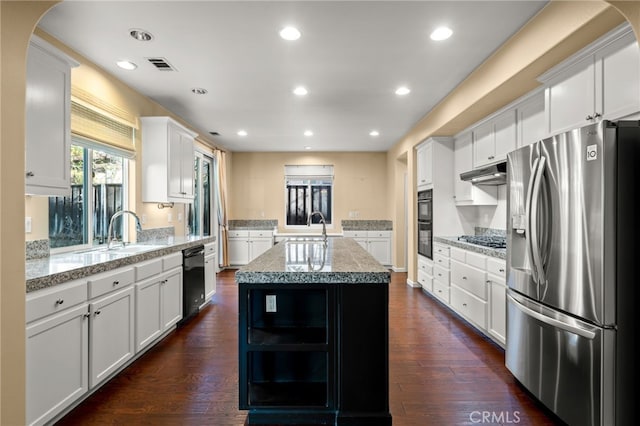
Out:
{"x": 597, "y": 115}
{"x": 30, "y": 174}
{"x": 116, "y": 282}
{"x": 464, "y": 304}
{"x": 491, "y": 157}
{"x": 464, "y": 278}
{"x": 86, "y": 315}
{"x": 501, "y": 270}
{"x": 96, "y": 313}
{"x": 59, "y": 301}
{"x": 589, "y": 117}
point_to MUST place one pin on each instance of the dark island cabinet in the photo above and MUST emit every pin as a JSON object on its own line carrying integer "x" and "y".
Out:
{"x": 314, "y": 353}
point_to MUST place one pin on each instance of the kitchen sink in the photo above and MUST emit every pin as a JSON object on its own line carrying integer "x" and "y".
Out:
{"x": 128, "y": 250}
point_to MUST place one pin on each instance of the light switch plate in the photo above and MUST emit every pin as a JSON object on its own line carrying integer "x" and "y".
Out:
{"x": 27, "y": 224}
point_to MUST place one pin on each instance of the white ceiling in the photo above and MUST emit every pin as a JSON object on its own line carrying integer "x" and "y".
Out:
{"x": 351, "y": 57}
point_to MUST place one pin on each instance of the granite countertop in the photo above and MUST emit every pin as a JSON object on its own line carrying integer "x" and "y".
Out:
{"x": 59, "y": 268}
{"x": 453, "y": 241}
{"x": 367, "y": 225}
{"x": 342, "y": 260}
{"x": 253, "y": 224}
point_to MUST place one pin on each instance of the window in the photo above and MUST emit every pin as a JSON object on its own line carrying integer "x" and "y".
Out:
{"x": 200, "y": 211}
{"x": 308, "y": 189}
{"x": 98, "y": 190}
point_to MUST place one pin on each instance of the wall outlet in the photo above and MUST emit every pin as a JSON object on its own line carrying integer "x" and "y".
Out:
{"x": 27, "y": 224}
{"x": 143, "y": 219}
{"x": 179, "y": 217}
{"x": 169, "y": 217}
{"x": 271, "y": 303}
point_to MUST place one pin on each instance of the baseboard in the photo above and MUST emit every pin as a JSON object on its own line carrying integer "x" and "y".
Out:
{"x": 413, "y": 283}
{"x": 398, "y": 269}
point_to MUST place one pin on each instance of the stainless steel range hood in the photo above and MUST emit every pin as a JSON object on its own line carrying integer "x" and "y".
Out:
{"x": 495, "y": 174}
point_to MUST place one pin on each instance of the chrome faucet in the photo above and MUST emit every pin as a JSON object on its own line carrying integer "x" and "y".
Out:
{"x": 322, "y": 220}
{"x": 115, "y": 215}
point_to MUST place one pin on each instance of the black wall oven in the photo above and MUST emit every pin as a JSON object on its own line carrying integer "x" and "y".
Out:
{"x": 425, "y": 223}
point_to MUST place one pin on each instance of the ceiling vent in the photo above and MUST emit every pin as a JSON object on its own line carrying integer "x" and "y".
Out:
{"x": 161, "y": 64}
{"x": 214, "y": 133}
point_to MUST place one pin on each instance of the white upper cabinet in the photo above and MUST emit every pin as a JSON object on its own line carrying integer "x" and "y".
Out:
{"x": 494, "y": 139}
{"x": 48, "y": 120}
{"x": 167, "y": 161}
{"x": 600, "y": 82}
{"x": 424, "y": 169}
{"x": 531, "y": 120}
{"x": 465, "y": 193}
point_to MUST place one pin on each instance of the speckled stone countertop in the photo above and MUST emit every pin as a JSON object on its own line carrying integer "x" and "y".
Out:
{"x": 341, "y": 261}
{"x": 453, "y": 241}
{"x": 253, "y": 224}
{"x": 59, "y": 268}
{"x": 367, "y": 225}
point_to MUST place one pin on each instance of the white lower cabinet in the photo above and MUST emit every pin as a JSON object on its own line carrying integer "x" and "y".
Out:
{"x": 112, "y": 334}
{"x": 377, "y": 243}
{"x": 57, "y": 362}
{"x": 497, "y": 314}
{"x": 209, "y": 276}
{"x": 244, "y": 246}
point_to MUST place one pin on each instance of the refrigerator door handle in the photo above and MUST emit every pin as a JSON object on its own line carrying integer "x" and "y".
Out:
{"x": 533, "y": 219}
{"x": 534, "y": 170}
{"x": 580, "y": 331}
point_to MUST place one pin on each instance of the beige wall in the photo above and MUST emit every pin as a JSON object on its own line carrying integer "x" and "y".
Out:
{"x": 256, "y": 188}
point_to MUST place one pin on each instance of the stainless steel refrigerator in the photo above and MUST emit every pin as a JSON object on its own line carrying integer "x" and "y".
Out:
{"x": 572, "y": 271}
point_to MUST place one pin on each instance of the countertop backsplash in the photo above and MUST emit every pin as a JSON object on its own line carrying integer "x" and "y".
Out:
{"x": 155, "y": 234}
{"x": 490, "y": 231}
{"x": 37, "y": 249}
{"x": 367, "y": 225}
{"x": 256, "y": 224}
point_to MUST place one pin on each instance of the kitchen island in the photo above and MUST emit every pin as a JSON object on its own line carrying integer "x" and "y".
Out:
{"x": 313, "y": 335}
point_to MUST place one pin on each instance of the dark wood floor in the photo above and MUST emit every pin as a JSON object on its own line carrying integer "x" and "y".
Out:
{"x": 441, "y": 372}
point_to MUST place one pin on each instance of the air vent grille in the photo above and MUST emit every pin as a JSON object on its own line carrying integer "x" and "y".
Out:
{"x": 161, "y": 64}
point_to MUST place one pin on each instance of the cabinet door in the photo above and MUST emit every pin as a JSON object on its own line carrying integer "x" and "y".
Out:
{"x": 209, "y": 276}
{"x": 483, "y": 144}
{"x": 497, "y": 310}
{"x": 148, "y": 315}
{"x": 619, "y": 66}
{"x": 531, "y": 120}
{"x": 258, "y": 246}
{"x": 175, "y": 162}
{"x": 462, "y": 162}
{"x": 570, "y": 98}
{"x": 48, "y": 135}
{"x": 424, "y": 169}
{"x": 239, "y": 251}
{"x": 171, "y": 299}
{"x": 380, "y": 248}
{"x": 57, "y": 363}
{"x": 505, "y": 135}
{"x": 187, "y": 167}
{"x": 111, "y": 332}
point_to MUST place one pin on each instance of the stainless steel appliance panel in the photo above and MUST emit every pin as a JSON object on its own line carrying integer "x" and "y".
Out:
{"x": 566, "y": 363}
{"x": 560, "y": 246}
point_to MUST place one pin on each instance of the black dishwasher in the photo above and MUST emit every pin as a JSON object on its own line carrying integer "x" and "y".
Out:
{"x": 192, "y": 281}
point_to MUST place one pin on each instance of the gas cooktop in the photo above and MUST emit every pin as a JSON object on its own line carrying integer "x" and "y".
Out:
{"x": 492, "y": 241}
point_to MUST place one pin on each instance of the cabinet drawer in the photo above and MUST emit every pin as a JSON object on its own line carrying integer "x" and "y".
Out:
{"x": 425, "y": 266}
{"x": 469, "y": 278}
{"x": 441, "y": 274}
{"x": 441, "y": 249}
{"x": 209, "y": 249}
{"x": 426, "y": 281}
{"x": 172, "y": 261}
{"x": 238, "y": 234}
{"x": 379, "y": 234}
{"x": 106, "y": 282}
{"x": 476, "y": 259}
{"x": 441, "y": 260}
{"x": 441, "y": 291}
{"x": 469, "y": 306}
{"x": 458, "y": 254}
{"x": 260, "y": 234}
{"x": 148, "y": 268}
{"x": 496, "y": 266}
{"x": 49, "y": 301}
{"x": 355, "y": 234}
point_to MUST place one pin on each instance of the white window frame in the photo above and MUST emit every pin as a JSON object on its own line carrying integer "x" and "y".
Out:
{"x": 308, "y": 173}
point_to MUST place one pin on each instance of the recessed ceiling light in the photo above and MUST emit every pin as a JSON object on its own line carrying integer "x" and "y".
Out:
{"x": 300, "y": 91}
{"x": 403, "y": 90}
{"x": 140, "y": 35}
{"x": 126, "y": 65}
{"x": 307, "y": 148}
{"x": 374, "y": 133}
{"x": 290, "y": 33}
{"x": 199, "y": 91}
{"x": 308, "y": 133}
{"x": 441, "y": 33}
{"x": 242, "y": 133}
